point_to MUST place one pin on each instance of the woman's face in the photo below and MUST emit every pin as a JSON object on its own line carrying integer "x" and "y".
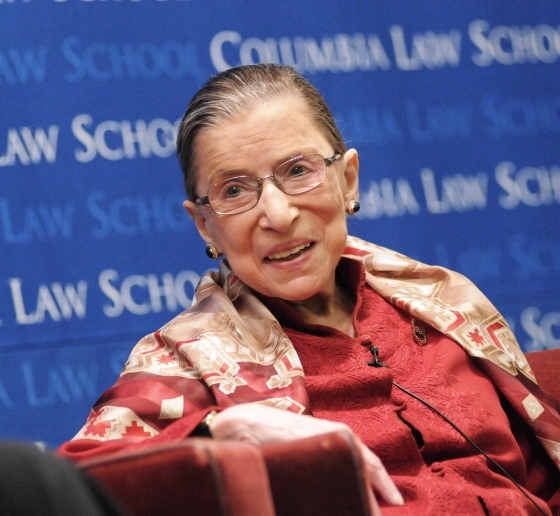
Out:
{"x": 254, "y": 144}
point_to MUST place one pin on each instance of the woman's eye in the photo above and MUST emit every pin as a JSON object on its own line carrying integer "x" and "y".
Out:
{"x": 231, "y": 189}
{"x": 297, "y": 171}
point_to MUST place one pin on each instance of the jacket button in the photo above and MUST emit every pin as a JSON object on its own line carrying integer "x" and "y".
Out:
{"x": 437, "y": 469}
{"x": 365, "y": 340}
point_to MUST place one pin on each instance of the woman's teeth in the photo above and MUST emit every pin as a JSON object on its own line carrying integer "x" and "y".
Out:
{"x": 289, "y": 252}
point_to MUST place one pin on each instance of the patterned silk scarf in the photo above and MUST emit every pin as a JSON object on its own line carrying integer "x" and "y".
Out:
{"x": 231, "y": 341}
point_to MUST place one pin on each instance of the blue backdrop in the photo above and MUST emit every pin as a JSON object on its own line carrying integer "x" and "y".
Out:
{"x": 453, "y": 107}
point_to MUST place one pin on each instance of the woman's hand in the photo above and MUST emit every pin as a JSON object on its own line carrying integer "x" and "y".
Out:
{"x": 259, "y": 424}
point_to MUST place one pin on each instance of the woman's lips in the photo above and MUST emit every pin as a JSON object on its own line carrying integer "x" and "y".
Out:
{"x": 290, "y": 254}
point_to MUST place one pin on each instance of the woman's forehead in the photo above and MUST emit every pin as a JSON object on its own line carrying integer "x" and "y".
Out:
{"x": 267, "y": 135}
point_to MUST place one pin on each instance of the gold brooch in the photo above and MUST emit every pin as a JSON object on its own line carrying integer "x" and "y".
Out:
{"x": 419, "y": 332}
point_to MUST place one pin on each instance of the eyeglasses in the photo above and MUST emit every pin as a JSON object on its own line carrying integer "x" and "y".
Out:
{"x": 241, "y": 193}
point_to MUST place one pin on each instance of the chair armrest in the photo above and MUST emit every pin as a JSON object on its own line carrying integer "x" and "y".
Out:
{"x": 195, "y": 477}
{"x": 318, "y": 476}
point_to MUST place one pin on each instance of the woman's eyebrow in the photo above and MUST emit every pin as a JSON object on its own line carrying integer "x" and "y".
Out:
{"x": 221, "y": 174}
{"x": 301, "y": 152}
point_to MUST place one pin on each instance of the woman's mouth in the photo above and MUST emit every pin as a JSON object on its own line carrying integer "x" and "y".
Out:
{"x": 290, "y": 254}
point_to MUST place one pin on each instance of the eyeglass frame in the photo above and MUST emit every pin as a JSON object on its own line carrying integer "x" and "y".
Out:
{"x": 205, "y": 201}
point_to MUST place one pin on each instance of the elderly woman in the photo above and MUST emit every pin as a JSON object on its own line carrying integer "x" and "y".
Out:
{"x": 303, "y": 320}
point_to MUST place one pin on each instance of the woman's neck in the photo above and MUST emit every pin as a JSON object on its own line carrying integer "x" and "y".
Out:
{"x": 334, "y": 310}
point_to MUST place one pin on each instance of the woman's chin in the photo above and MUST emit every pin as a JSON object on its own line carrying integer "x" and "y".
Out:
{"x": 295, "y": 290}
{"x": 293, "y": 279}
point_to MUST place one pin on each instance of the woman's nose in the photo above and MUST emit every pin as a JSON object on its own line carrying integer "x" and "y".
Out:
{"x": 277, "y": 210}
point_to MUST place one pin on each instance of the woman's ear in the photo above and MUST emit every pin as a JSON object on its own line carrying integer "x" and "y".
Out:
{"x": 351, "y": 182}
{"x": 200, "y": 220}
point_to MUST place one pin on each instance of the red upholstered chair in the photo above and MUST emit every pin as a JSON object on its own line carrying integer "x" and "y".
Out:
{"x": 320, "y": 476}
{"x": 546, "y": 366}
{"x": 196, "y": 477}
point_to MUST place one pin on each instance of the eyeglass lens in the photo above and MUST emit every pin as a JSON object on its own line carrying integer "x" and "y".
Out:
{"x": 293, "y": 177}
